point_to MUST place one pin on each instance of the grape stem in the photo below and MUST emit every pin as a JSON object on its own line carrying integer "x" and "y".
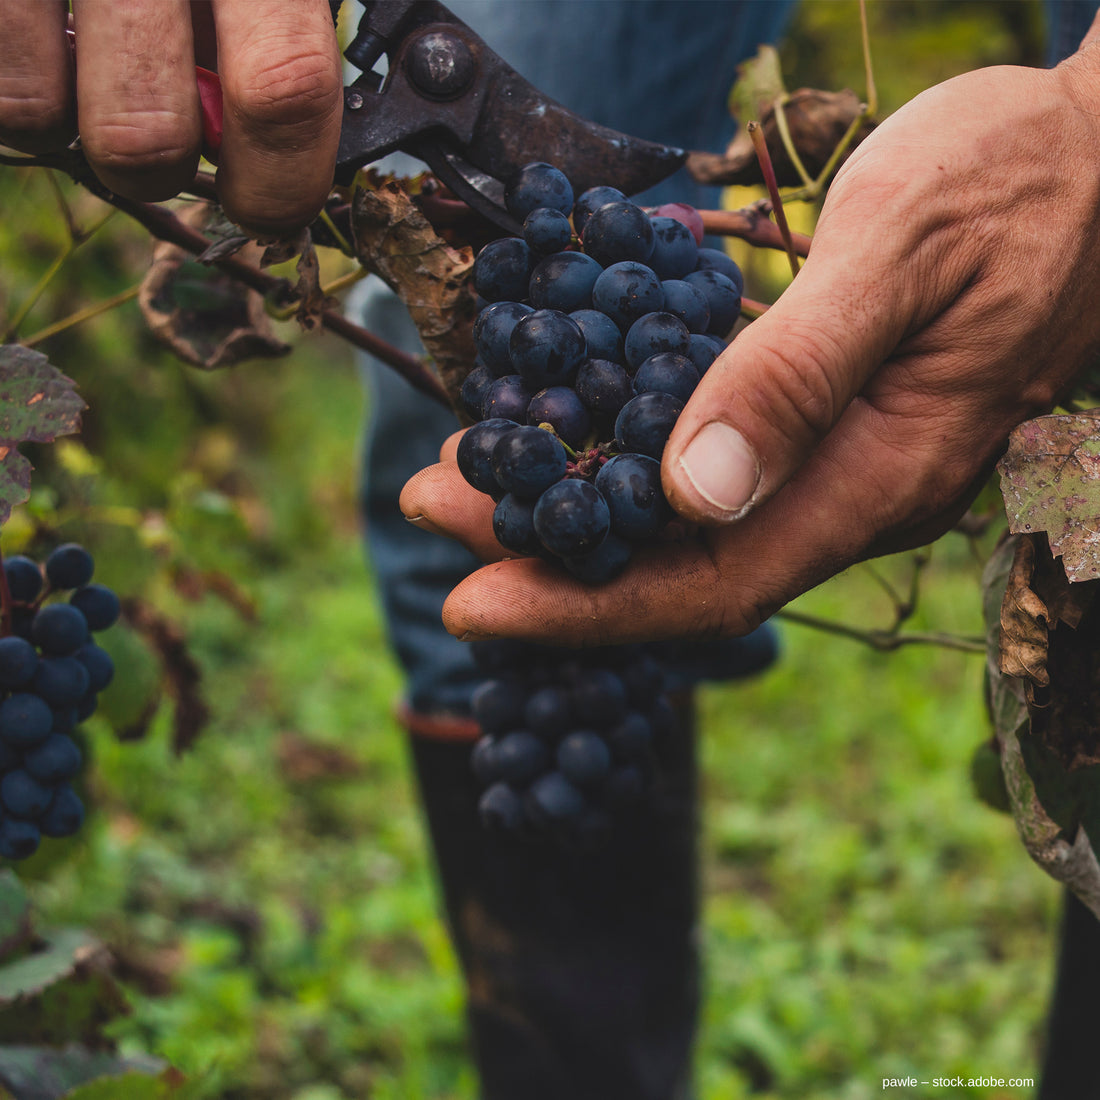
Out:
{"x": 752, "y": 224}
{"x": 760, "y": 145}
{"x": 885, "y": 641}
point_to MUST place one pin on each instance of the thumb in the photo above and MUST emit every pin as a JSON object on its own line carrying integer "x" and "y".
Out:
{"x": 777, "y": 390}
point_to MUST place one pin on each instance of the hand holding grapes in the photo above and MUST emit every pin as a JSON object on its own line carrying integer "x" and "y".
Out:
{"x": 132, "y": 95}
{"x": 948, "y": 296}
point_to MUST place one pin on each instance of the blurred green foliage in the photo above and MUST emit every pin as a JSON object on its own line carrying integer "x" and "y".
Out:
{"x": 268, "y": 896}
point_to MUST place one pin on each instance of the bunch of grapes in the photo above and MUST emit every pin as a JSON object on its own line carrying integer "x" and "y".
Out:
{"x": 594, "y": 330}
{"x": 567, "y": 743}
{"x": 51, "y": 673}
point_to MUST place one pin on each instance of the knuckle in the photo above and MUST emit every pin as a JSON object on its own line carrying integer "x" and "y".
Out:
{"x": 291, "y": 90}
{"x": 140, "y": 142}
{"x": 33, "y": 119}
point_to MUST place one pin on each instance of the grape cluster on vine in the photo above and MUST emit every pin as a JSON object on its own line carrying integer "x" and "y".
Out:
{"x": 594, "y": 329}
{"x": 51, "y": 674}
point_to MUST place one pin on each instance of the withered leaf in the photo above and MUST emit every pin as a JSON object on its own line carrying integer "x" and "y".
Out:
{"x": 1050, "y": 480}
{"x": 395, "y": 241}
{"x": 205, "y": 316}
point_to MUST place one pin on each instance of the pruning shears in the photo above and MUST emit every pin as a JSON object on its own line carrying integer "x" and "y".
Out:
{"x": 453, "y": 103}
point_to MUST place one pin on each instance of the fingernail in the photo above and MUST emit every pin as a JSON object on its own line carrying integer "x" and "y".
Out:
{"x": 722, "y": 468}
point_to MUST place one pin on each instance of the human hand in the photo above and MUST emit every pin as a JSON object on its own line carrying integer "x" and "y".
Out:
{"x": 133, "y": 97}
{"x": 948, "y": 296}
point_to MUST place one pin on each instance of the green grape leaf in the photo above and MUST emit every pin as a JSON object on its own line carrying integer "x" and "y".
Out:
{"x": 50, "y": 1073}
{"x": 37, "y": 404}
{"x": 1050, "y": 480}
{"x": 759, "y": 84}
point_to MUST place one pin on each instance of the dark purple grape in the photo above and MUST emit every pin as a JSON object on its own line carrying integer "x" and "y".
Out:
{"x": 646, "y": 421}
{"x": 599, "y": 696}
{"x": 564, "y": 282}
{"x": 69, "y": 566}
{"x": 500, "y": 809}
{"x": 18, "y": 839}
{"x": 520, "y": 757}
{"x": 722, "y": 296}
{"x": 24, "y": 796}
{"x": 25, "y": 720}
{"x": 571, "y": 518}
{"x": 688, "y": 303}
{"x": 18, "y": 660}
{"x": 65, "y": 815}
{"x": 527, "y": 461}
{"x": 101, "y": 669}
{"x": 626, "y": 291}
{"x": 601, "y": 334}
{"x": 537, "y": 185}
{"x": 703, "y": 351}
{"x": 675, "y": 252}
{"x": 87, "y": 706}
{"x": 653, "y": 333}
{"x": 603, "y": 564}
{"x": 498, "y": 705}
{"x": 588, "y": 202}
{"x": 60, "y": 681}
{"x": 24, "y": 578}
{"x": 669, "y": 373}
{"x": 564, "y": 411}
{"x": 98, "y": 604}
{"x": 618, "y": 231}
{"x": 630, "y": 739}
{"x": 58, "y": 629}
{"x": 475, "y": 453}
{"x": 547, "y": 230}
{"x": 553, "y": 800}
{"x": 603, "y": 386}
{"x": 493, "y": 330}
{"x": 475, "y": 388}
{"x": 502, "y": 270}
{"x": 65, "y": 720}
{"x": 714, "y": 259}
{"x": 507, "y": 399}
{"x": 55, "y": 761}
{"x": 643, "y": 679}
{"x": 483, "y": 760}
{"x": 631, "y": 485}
{"x": 583, "y": 758}
{"x": 547, "y": 711}
{"x": 547, "y": 347}
{"x": 625, "y": 787}
{"x": 514, "y": 526}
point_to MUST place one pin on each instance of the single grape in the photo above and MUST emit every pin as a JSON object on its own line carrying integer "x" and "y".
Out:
{"x": 18, "y": 839}
{"x": 537, "y": 185}
{"x": 547, "y": 711}
{"x": 69, "y": 566}
{"x": 703, "y": 351}
{"x": 546, "y": 230}
{"x": 507, "y": 399}
{"x": 603, "y": 386}
{"x": 18, "y": 660}
{"x": 500, "y": 809}
{"x": 98, "y": 604}
{"x": 626, "y": 291}
{"x": 58, "y": 629}
{"x": 646, "y": 421}
{"x": 56, "y": 760}
{"x": 603, "y": 564}
{"x": 714, "y": 259}
{"x": 65, "y": 815}
{"x": 571, "y": 518}
{"x": 564, "y": 411}
{"x": 527, "y": 461}
{"x": 493, "y": 330}
{"x": 520, "y": 757}
{"x": 688, "y": 303}
{"x": 643, "y": 679}
{"x": 653, "y": 333}
{"x": 475, "y": 388}
{"x": 25, "y": 720}
{"x": 24, "y": 796}
{"x": 669, "y": 373}
{"x": 60, "y": 681}
{"x": 675, "y": 252}
{"x": 101, "y": 669}
{"x": 722, "y": 296}
{"x": 564, "y": 282}
{"x": 682, "y": 212}
{"x": 502, "y": 270}
{"x": 24, "y": 578}
{"x": 631, "y": 485}
{"x": 625, "y": 786}
{"x": 553, "y": 800}
{"x": 583, "y": 758}
{"x": 588, "y": 202}
{"x": 618, "y": 231}
{"x": 514, "y": 526}
{"x": 599, "y": 695}
{"x": 483, "y": 760}
{"x": 498, "y": 705}
{"x": 475, "y": 453}
{"x": 601, "y": 334}
{"x": 630, "y": 739}
{"x": 87, "y": 706}
{"x": 547, "y": 347}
